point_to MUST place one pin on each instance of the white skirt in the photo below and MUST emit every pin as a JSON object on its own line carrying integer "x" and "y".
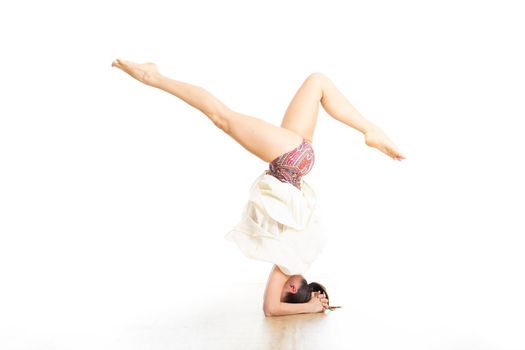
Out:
{"x": 279, "y": 225}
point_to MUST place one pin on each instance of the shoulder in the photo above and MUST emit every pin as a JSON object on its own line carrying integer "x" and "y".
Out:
{"x": 277, "y": 278}
{"x": 277, "y": 273}
{"x": 274, "y": 287}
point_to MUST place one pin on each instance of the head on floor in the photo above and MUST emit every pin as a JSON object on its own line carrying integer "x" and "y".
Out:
{"x": 298, "y": 290}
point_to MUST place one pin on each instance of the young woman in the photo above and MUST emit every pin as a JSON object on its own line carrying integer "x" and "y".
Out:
{"x": 278, "y": 224}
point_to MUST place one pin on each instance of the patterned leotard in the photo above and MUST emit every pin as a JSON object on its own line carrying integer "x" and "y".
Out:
{"x": 292, "y": 165}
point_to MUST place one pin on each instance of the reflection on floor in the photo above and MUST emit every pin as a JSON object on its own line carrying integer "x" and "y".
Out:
{"x": 234, "y": 320}
{"x": 220, "y": 317}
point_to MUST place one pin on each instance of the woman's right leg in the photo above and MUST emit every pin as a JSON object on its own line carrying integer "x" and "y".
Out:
{"x": 261, "y": 138}
{"x": 301, "y": 114}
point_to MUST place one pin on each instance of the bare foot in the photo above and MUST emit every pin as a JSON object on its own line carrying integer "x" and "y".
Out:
{"x": 146, "y": 73}
{"x": 376, "y": 138}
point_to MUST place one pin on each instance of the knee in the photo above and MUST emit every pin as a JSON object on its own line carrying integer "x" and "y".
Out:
{"x": 221, "y": 117}
{"x": 316, "y": 77}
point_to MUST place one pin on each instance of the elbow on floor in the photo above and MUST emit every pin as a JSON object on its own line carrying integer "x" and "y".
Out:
{"x": 268, "y": 312}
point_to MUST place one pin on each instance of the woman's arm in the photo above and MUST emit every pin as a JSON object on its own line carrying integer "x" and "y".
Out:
{"x": 289, "y": 309}
{"x": 273, "y": 306}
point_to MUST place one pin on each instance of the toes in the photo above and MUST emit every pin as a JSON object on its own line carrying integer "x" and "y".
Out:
{"x": 394, "y": 153}
{"x": 116, "y": 63}
{"x": 399, "y": 156}
{"x": 121, "y": 63}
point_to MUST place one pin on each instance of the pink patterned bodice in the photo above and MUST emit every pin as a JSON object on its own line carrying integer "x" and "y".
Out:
{"x": 291, "y": 166}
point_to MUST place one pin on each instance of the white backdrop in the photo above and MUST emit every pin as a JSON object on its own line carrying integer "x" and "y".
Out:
{"x": 115, "y": 196}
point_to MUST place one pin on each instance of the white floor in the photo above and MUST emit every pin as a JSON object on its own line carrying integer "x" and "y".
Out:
{"x": 231, "y": 318}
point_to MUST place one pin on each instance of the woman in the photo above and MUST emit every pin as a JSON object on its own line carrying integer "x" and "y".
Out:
{"x": 278, "y": 224}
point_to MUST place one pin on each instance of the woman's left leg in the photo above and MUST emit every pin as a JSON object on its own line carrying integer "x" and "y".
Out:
{"x": 263, "y": 139}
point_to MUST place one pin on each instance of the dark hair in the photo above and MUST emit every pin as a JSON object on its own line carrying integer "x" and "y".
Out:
{"x": 304, "y": 293}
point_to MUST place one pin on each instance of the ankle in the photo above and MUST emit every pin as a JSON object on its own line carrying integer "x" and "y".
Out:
{"x": 153, "y": 79}
{"x": 369, "y": 128}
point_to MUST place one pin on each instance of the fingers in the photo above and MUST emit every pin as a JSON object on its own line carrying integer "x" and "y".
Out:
{"x": 323, "y": 300}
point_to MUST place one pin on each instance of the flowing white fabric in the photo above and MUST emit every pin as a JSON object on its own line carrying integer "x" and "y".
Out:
{"x": 279, "y": 225}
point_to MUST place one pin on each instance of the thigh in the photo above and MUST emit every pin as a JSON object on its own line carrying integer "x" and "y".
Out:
{"x": 263, "y": 139}
{"x": 301, "y": 114}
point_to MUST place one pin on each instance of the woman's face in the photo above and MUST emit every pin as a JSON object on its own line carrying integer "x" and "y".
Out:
{"x": 292, "y": 285}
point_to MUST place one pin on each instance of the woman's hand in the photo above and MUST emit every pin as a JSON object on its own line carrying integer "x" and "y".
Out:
{"x": 318, "y": 302}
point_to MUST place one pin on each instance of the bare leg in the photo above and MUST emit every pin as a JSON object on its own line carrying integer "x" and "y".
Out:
{"x": 261, "y": 138}
{"x": 301, "y": 114}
